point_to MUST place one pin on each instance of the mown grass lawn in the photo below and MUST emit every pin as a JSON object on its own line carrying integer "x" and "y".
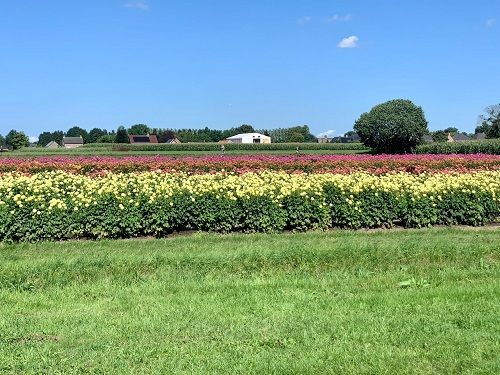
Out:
{"x": 394, "y": 302}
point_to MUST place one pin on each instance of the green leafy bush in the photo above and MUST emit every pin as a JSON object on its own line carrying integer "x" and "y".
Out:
{"x": 486, "y": 146}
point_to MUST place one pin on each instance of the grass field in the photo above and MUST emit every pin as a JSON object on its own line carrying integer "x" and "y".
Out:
{"x": 403, "y": 301}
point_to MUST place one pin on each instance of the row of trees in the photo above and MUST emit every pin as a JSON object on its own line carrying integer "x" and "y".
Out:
{"x": 96, "y": 135}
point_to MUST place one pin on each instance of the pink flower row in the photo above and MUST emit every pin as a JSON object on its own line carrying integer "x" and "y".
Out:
{"x": 377, "y": 164}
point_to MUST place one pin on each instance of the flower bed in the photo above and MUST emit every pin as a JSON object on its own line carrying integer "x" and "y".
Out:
{"x": 341, "y": 164}
{"x": 59, "y": 205}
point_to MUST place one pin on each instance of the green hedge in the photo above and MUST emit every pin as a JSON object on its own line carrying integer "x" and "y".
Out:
{"x": 239, "y": 146}
{"x": 487, "y": 146}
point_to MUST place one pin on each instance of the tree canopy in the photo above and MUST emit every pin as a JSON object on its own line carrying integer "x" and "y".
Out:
{"x": 47, "y": 137}
{"x": 139, "y": 129}
{"x": 76, "y": 131}
{"x": 121, "y": 135}
{"x": 489, "y": 122}
{"x": 396, "y": 126}
{"x": 17, "y": 139}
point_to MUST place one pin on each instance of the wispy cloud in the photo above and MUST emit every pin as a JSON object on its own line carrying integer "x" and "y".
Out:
{"x": 33, "y": 139}
{"x": 340, "y": 18}
{"x": 490, "y": 22}
{"x": 304, "y": 20}
{"x": 349, "y": 42}
{"x": 142, "y": 5}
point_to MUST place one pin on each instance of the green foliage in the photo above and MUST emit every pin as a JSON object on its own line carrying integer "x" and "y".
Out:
{"x": 139, "y": 129}
{"x": 440, "y": 136}
{"x": 47, "y": 137}
{"x": 396, "y": 126}
{"x": 108, "y": 138}
{"x": 486, "y": 146}
{"x": 76, "y": 131}
{"x": 240, "y": 146}
{"x": 121, "y": 135}
{"x": 490, "y": 122}
{"x": 17, "y": 139}
{"x": 451, "y": 129}
{"x": 2, "y": 140}
{"x": 95, "y": 134}
{"x": 293, "y": 134}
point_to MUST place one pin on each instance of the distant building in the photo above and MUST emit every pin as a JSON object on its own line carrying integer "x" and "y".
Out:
{"x": 427, "y": 138}
{"x": 143, "y": 139}
{"x": 459, "y": 137}
{"x": 249, "y": 138}
{"x": 52, "y": 144}
{"x": 324, "y": 139}
{"x": 173, "y": 140}
{"x": 480, "y": 136}
{"x": 349, "y": 139}
{"x": 72, "y": 142}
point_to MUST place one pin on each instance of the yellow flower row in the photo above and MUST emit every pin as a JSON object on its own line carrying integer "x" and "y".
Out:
{"x": 57, "y": 190}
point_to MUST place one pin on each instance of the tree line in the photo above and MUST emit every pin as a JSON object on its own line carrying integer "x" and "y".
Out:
{"x": 120, "y": 135}
{"x": 395, "y": 126}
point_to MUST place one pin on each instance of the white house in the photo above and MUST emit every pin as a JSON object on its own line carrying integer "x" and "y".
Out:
{"x": 249, "y": 138}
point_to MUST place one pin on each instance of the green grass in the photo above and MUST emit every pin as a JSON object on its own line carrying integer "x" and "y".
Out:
{"x": 340, "y": 302}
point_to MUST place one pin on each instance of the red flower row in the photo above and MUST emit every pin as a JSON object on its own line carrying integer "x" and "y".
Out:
{"x": 378, "y": 164}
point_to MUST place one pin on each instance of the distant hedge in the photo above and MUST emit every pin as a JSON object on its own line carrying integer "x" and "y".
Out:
{"x": 487, "y": 146}
{"x": 239, "y": 146}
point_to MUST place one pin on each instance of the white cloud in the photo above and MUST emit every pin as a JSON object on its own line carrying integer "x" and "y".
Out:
{"x": 490, "y": 22}
{"x": 329, "y": 133}
{"x": 304, "y": 20}
{"x": 349, "y": 42}
{"x": 340, "y": 18}
{"x": 142, "y": 5}
{"x": 33, "y": 139}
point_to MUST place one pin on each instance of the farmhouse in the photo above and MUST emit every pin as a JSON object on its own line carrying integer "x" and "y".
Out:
{"x": 174, "y": 140}
{"x": 52, "y": 144}
{"x": 249, "y": 138}
{"x": 143, "y": 139}
{"x": 324, "y": 139}
{"x": 459, "y": 137}
{"x": 72, "y": 142}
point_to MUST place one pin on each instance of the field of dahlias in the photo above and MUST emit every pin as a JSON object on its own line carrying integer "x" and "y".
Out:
{"x": 64, "y": 198}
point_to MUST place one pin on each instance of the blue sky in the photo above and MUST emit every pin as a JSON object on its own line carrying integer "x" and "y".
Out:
{"x": 221, "y": 63}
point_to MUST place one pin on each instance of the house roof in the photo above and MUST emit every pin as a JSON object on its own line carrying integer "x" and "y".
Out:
{"x": 253, "y": 135}
{"x": 52, "y": 143}
{"x": 73, "y": 140}
{"x": 143, "y": 138}
{"x": 173, "y": 140}
{"x": 427, "y": 138}
{"x": 460, "y": 137}
{"x": 480, "y": 136}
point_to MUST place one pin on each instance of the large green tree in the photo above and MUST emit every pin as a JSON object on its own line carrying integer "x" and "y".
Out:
{"x": 396, "y": 126}
{"x": 489, "y": 122}
{"x": 139, "y": 129}
{"x": 47, "y": 137}
{"x": 95, "y": 134}
{"x": 2, "y": 140}
{"x": 76, "y": 131}
{"x": 121, "y": 135}
{"x": 17, "y": 139}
